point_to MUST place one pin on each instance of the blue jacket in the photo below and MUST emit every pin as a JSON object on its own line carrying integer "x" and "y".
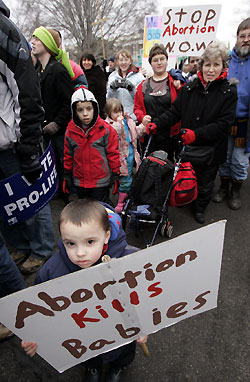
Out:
{"x": 240, "y": 68}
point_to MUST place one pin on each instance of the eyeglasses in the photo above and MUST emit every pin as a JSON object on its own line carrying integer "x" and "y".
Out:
{"x": 160, "y": 60}
{"x": 243, "y": 37}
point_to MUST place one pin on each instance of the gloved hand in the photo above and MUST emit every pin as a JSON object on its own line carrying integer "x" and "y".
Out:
{"x": 31, "y": 168}
{"x": 115, "y": 180}
{"x": 67, "y": 182}
{"x": 51, "y": 128}
{"x": 104, "y": 64}
{"x": 129, "y": 85}
{"x": 188, "y": 137}
{"x": 114, "y": 85}
{"x": 151, "y": 128}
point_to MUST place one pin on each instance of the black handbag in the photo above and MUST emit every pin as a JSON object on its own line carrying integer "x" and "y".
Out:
{"x": 198, "y": 155}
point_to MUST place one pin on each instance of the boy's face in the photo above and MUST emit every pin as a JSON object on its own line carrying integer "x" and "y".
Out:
{"x": 84, "y": 244}
{"x": 85, "y": 112}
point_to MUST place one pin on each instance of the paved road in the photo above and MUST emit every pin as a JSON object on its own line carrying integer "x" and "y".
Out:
{"x": 210, "y": 347}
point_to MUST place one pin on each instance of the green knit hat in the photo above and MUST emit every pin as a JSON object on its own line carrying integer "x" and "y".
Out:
{"x": 60, "y": 55}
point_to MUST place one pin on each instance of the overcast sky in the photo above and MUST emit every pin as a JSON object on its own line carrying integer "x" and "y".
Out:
{"x": 229, "y": 18}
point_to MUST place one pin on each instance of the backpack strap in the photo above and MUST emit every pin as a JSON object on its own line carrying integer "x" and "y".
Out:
{"x": 140, "y": 177}
{"x": 157, "y": 184}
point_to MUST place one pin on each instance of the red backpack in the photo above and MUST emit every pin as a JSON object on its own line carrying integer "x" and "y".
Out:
{"x": 184, "y": 187}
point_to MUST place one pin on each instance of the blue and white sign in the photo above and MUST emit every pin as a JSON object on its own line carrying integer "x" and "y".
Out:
{"x": 20, "y": 199}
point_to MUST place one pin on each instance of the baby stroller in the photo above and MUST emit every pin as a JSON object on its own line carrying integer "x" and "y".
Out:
{"x": 148, "y": 199}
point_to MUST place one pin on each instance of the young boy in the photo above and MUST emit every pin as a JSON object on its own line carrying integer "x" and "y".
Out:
{"x": 91, "y": 154}
{"x": 89, "y": 230}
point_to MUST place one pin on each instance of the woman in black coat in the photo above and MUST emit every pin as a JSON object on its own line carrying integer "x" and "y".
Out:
{"x": 96, "y": 79}
{"x": 206, "y": 108}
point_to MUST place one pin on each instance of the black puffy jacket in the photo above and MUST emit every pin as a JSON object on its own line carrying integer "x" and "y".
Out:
{"x": 57, "y": 89}
{"x": 24, "y": 111}
{"x": 209, "y": 111}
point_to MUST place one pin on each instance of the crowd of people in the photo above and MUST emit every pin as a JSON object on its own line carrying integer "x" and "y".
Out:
{"x": 99, "y": 123}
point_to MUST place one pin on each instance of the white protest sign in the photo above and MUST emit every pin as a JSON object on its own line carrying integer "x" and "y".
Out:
{"x": 78, "y": 316}
{"x": 152, "y": 35}
{"x": 187, "y": 30}
{"x": 152, "y": 32}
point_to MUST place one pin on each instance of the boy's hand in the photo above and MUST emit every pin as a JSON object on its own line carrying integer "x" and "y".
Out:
{"x": 115, "y": 180}
{"x": 67, "y": 182}
{"x": 142, "y": 339}
{"x": 29, "y": 347}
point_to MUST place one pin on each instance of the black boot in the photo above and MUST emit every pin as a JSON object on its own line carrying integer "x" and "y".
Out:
{"x": 92, "y": 375}
{"x": 234, "y": 201}
{"x": 198, "y": 212}
{"x": 115, "y": 374}
{"x": 223, "y": 191}
{"x": 199, "y": 217}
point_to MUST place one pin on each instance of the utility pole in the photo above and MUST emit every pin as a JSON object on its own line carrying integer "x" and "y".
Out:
{"x": 100, "y": 22}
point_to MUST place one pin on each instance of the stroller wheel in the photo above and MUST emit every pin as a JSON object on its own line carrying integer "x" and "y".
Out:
{"x": 167, "y": 230}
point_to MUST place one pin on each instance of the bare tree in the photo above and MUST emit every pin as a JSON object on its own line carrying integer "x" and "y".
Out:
{"x": 241, "y": 11}
{"x": 81, "y": 19}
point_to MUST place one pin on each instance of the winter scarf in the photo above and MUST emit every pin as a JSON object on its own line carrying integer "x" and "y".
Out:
{"x": 222, "y": 76}
{"x": 60, "y": 55}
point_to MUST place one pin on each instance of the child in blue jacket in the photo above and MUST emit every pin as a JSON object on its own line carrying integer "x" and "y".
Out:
{"x": 89, "y": 230}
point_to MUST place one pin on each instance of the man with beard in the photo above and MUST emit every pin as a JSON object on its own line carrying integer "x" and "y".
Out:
{"x": 193, "y": 64}
{"x": 234, "y": 171}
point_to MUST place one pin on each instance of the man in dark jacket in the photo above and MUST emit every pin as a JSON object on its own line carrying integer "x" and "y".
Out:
{"x": 56, "y": 88}
{"x": 21, "y": 115}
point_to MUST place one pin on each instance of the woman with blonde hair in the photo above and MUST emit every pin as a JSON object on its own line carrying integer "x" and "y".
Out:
{"x": 122, "y": 83}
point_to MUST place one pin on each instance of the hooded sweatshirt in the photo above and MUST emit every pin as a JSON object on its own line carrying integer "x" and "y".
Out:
{"x": 91, "y": 152}
{"x": 240, "y": 68}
